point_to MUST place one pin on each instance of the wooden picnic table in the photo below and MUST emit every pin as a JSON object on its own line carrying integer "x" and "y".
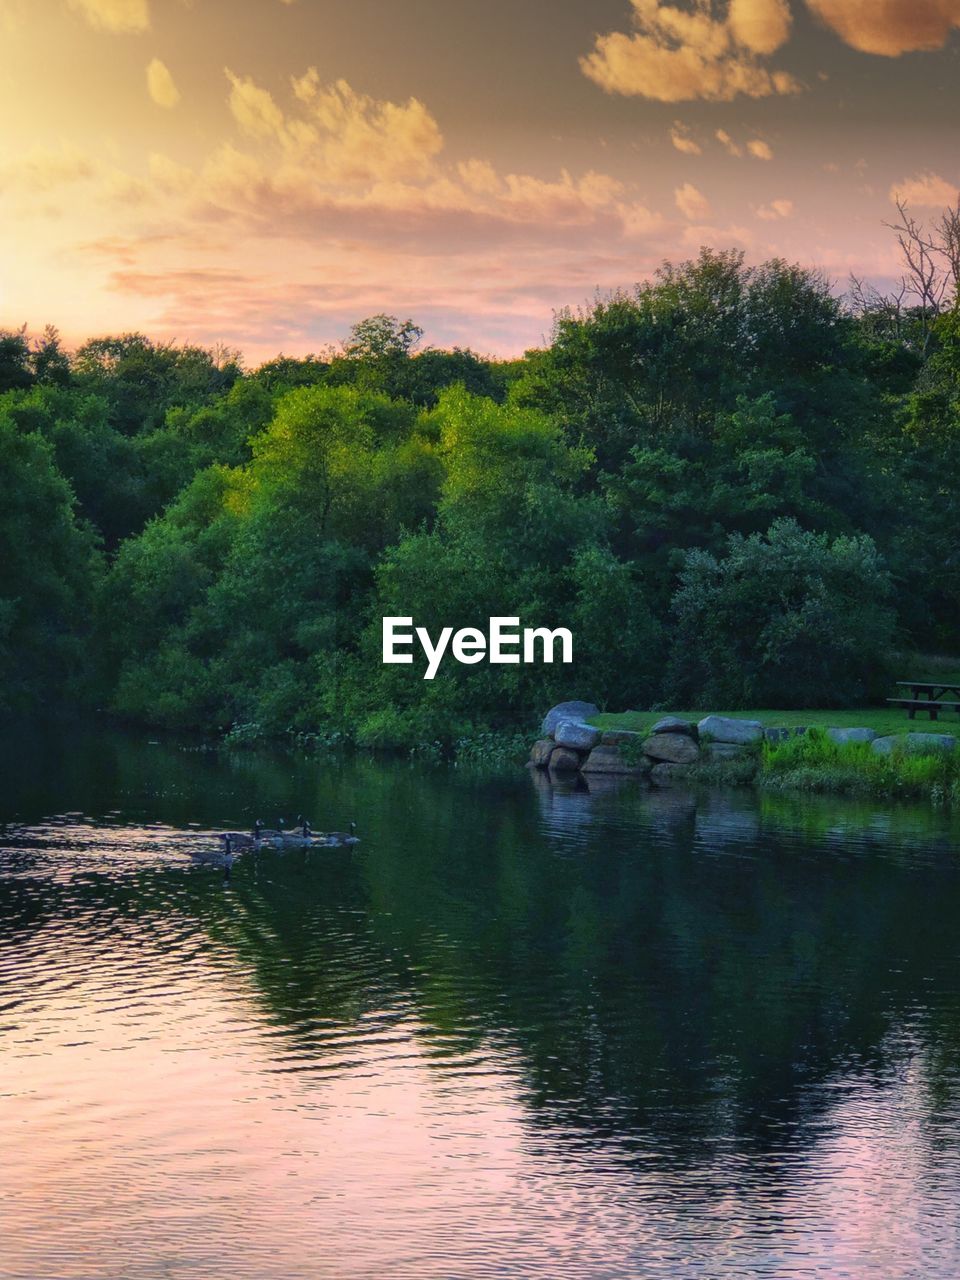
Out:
{"x": 933, "y": 691}
{"x": 927, "y": 695}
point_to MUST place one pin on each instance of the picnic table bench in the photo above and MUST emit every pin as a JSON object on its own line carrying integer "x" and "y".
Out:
{"x": 927, "y": 695}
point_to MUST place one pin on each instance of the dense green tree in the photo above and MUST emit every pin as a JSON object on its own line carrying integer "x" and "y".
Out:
{"x": 48, "y": 572}
{"x": 267, "y": 564}
{"x": 141, "y": 380}
{"x": 785, "y": 619}
{"x": 710, "y": 466}
{"x": 657, "y": 366}
{"x": 16, "y": 373}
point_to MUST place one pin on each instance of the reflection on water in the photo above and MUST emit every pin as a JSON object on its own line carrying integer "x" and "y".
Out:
{"x": 519, "y": 1031}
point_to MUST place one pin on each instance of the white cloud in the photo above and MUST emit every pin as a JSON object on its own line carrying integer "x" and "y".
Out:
{"x": 678, "y": 55}
{"x": 693, "y": 204}
{"x": 161, "y": 86}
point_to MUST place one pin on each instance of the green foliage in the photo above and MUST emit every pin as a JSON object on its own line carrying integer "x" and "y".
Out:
{"x": 730, "y": 489}
{"x": 140, "y": 380}
{"x": 787, "y": 619}
{"x": 48, "y": 573}
{"x": 492, "y": 752}
{"x": 814, "y": 762}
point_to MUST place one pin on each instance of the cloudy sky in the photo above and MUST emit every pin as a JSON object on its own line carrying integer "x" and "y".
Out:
{"x": 264, "y": 172}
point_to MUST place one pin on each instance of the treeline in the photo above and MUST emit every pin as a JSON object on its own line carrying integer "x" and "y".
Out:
{"x": 733, "y": 488}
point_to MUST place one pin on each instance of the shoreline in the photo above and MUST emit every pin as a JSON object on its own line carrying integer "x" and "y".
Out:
{"x": 723, "y": 750}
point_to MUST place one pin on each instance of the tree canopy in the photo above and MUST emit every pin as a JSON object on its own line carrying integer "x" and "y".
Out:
{"x": 733, "y": 486}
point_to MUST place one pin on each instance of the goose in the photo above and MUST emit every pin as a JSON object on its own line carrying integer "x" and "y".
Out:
{"x": 210, "y": 858}
{"x": 337, "y": 839}
{"x": 240, "y": 841}
{"x": 269, "y": 835}
{"x": 300, "y": 833}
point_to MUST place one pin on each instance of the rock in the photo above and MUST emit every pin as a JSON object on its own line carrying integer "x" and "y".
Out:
{"x": 672, "y": 748}
{"x": 619, "y": 737}
{"x": 842, "y": 736}
{"x": 671, "y": 724}
{"x": 564, "y": 761}
{"x": 783, "y": 732}
{"x": 723, "y": 750}
{"x": 567, "y": 711}
{"x": 577, "y": 735}
{"x": 914, "y": 744}
{"x": 726, "y": 729}
{"x": 607, "y": 784}
{"x": 541, "y": 753}
{"x": 607, "y": 759}
{"x": 666, "y": 774}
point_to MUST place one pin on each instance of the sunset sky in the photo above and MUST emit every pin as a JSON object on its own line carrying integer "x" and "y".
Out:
{"x": 263, "y": 173}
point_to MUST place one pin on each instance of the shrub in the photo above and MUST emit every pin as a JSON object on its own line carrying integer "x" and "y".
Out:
{"x": 785, "y": 619}
{"x": 813, "y": 762}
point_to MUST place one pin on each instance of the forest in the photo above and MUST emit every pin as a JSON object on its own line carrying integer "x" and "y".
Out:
{"x": 736, "y": 488}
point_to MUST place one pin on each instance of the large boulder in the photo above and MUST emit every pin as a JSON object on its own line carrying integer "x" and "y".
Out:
{"x": 843, "y": 736}
{"x": 541, "y": 752}
{"x": 723, "y": 750}
{"x": 726, "y": 729}
{"x": 671, "y": 748}
{"x": 607, "y": 759}
{"x": 620, "y": 737}
{"x": 915, "y": 744}
{"x": 567, "y": 711}
{"x": 577, "y": 735}
{"x": 673, "y": 724}
{"x": 564, "y": 761}
{"x": 667, "y": 775}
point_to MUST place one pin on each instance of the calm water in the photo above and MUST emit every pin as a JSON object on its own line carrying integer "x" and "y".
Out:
{"x": 516, "y": 1032}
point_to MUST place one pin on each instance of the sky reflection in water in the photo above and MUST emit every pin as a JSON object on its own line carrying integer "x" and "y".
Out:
{"x": 517, "y": 1032}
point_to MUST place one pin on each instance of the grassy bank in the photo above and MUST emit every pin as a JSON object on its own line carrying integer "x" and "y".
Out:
{"x": 812, "y": 762}
{"x": 815, "y": 763}
{"x": 884, "y": 720}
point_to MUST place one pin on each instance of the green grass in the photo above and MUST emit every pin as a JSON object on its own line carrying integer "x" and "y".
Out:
{"x": 885, "y": 720}
{"x": 812, "y": 762}
{"x": 815, "y": 763}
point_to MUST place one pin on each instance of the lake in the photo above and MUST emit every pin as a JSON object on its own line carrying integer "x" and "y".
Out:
{"x": 518, "y": 1031}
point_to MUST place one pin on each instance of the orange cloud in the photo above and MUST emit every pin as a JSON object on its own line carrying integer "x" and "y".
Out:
{"x": 678, "y": 55}
{"x": 161, "y": 86}
{"x": 759, "y": 25}
{"x": 890, "y": 27}
{"x": 760, "y": 150}
{"x": 693, "y": 204}
{"x": 728, "y": 144}
{"x": 119, "y": 16}
{"x": 928, "y": 190}
{"x": 775, "y": 210}
{"x": 44, "y": 169}
{"x": 338, "y": 134}
{"x": 680, "y": 137}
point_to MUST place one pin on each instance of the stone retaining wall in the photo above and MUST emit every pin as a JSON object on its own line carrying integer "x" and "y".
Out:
{"x": 673, "y": 747}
